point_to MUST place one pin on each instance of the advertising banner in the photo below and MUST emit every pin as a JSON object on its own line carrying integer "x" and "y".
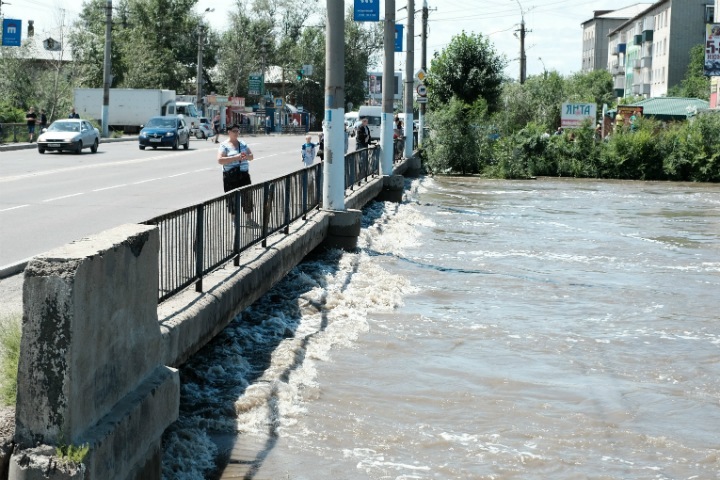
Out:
{"x": 574, "y": 114}
{"x": 398, "y": 37}
{"x": 712, "y": 50}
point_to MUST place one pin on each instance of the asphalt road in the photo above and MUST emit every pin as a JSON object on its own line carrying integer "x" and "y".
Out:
{"x": 49, "y": 200}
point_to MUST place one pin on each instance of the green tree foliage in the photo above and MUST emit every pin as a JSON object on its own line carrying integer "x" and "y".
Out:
{"x": 363, "y": 42}
{"x": 457, "y": 140}
{"x": 695, "y": 84}
{"x": 468, "y": 69}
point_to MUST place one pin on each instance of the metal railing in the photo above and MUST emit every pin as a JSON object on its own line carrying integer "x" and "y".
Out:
{"x": 198, "y": 239}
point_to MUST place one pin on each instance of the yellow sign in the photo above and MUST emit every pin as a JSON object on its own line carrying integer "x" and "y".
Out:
{"x": 420, "y": 75}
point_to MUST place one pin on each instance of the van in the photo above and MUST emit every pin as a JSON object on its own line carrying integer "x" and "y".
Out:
{"x": 374, "y": 116}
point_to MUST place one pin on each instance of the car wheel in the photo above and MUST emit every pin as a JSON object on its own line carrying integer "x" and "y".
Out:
{"x": 41, "y": 150}
{"x": 78, "y": 149}
{"x": 94, "y": 148}
{"x": 187, "y": 143}
{"x": 142, "y": 147}
{"x": 175, "y": 144}
{"x": 199, "y": 135}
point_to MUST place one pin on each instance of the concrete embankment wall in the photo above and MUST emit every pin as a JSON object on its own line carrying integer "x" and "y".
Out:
{"x": 97, "y": 351}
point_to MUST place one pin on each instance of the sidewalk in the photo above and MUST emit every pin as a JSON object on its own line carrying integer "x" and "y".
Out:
{"x": 8, "y": 147}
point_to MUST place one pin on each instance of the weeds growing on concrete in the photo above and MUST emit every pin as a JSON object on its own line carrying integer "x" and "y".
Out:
{"x": 72, "y": 453}
{"x": 10, "y": 334}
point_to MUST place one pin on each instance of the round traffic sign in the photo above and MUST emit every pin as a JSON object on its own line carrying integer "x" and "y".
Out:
{"x": 422, "y": 90}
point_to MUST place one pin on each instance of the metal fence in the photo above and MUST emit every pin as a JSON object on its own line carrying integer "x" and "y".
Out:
{"x": 198, "y": 239}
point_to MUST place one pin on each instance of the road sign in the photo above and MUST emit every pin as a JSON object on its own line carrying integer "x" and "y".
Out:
{"x": 278, "y": 102}
{"x": 421, "y": 90}
{"x": 11, "y": 31}
{"x": 256, "y": 84}
{"x": 421, "y": 99}
{"x": 420, "y": 75}
{"x": 366, "y": 11}
{"x": 398, "y": 37}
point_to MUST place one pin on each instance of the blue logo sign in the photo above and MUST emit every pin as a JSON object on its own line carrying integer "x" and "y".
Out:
{"x": 11, "y": 32}
{"x": 367, "y": 11}
{"x": 398, "y": 37}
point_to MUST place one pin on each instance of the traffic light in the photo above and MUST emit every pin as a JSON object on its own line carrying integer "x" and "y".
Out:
{"x": 300, "y": 73}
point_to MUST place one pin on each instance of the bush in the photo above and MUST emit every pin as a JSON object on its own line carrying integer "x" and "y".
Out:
{"x": 10, "y": 335}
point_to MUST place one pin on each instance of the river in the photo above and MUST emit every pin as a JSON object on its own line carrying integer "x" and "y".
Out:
{"x": 485, "y": 329}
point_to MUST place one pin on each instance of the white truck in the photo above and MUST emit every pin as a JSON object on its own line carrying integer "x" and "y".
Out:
{"x": 129, "y": 108}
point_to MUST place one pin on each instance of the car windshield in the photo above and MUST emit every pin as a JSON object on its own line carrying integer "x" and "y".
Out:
{"x": 64, "y": 127}
{"x": 161, "y": 123}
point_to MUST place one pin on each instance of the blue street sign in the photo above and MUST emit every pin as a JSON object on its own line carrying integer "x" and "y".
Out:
{"x": 398, "y": 37}
{"x": 11, "y": 32}
{"x": 367, "y": 11}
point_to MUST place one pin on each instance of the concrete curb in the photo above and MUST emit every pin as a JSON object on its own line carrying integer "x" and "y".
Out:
{"x": 26, "y": 146}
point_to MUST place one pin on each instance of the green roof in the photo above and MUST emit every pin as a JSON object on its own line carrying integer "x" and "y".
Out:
{"x": 670, "y": 106}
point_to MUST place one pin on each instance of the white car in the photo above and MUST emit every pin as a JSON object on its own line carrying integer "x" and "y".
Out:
{"x": 204, "y": 131}
{"x": 71, "y": 134}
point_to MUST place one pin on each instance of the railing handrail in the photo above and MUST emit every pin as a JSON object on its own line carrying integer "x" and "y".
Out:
{"x": 199, "y": 238}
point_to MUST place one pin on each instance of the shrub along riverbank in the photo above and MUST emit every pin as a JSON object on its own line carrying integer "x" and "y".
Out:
{"x": 680, "y": 151}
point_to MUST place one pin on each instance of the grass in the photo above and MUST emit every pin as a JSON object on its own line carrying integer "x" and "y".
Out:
{"x": 72, "y": 453}
{"x": 10, "y": 334}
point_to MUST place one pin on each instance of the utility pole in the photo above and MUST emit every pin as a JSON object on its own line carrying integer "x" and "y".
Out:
{"x": 409, "y": 79}
{"x": 523, "y": 32}
{"x": 523, "y": 60}
{"x": 423, "y": 65}
{"x": 334, "y": 125}
{"x": 107, "y": 74}
{"x": 1, "y": 4}
{"x": 387, "y": 143}
{"x": 199, "y": 90}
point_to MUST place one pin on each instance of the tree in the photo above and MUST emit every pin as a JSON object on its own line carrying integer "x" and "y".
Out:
{"x": 695, "y": 84}
{"x": 468, "y": 69}
{"x": 363, "y": 41}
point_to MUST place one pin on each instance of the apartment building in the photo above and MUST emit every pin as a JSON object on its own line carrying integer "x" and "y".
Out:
{"x": 650, "y": 52}
{"x": 596, "y": 31}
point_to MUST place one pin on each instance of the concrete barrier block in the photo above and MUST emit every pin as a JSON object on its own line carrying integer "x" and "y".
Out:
{"x": 90, "y": 332}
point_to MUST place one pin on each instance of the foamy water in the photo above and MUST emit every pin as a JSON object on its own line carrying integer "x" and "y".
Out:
{"x": 485, "y": 330}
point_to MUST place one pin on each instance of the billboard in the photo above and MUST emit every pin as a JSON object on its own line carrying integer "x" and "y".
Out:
{"x": 374, "y": 86}
{"x": 712, "y": 50}
{"x": 574, "y": 114}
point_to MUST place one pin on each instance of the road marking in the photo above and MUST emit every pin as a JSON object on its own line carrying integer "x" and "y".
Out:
{"x": 110, "y": 188}
{"x": 14, "y": 208}
{"x": 63, "y": 197}
{"x": 148, "y": 180}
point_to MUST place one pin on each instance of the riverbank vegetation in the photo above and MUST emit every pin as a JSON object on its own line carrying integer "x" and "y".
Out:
{"x": 513, "y": 134}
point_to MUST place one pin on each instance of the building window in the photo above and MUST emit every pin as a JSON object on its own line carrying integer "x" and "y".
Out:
{"x": 709, "y": 13}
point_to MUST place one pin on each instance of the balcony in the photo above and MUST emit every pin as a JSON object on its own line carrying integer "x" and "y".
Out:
{"x": 647, "y": 36}
{"x": 636, "y": 64}
{"x": 646, "y": 62}
{"x": 645, "y": 88}
{"x": 638, "y": 39}
{"x": 618, "y": 49}
{"x": 619, "y": 83}
{"x": 618, "y": 69}
{"x": 619, "y": 92}
{"x": 636, "y": 89}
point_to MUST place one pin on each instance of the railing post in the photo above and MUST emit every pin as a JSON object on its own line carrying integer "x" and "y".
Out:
{"x": 288, "y": 185}
{"x": 199, "y": 244}
{"x": 268, "y": 193}
{"x": 236, "y": 225}
{"x": 304, "y": 193}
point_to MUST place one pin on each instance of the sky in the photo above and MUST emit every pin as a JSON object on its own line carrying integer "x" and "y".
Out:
{"x": 553, "y": 41}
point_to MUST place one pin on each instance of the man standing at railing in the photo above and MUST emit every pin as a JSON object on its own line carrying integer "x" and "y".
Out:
{"x": 362, "y": 137}
{"x": 235, "y": 157}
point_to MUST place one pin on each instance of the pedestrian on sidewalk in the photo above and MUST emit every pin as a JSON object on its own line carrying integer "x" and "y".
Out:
{"x": 235, "y": 156}
{"x": 308, "y": 151}
{"x": 216, "y": 127}
{"x": 31, "y": 119}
